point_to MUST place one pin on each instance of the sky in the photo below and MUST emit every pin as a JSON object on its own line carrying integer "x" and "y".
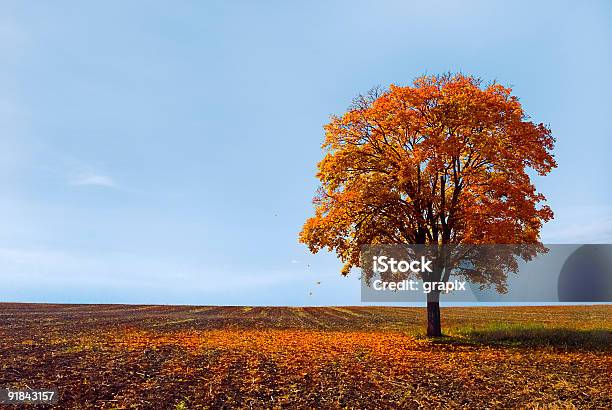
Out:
{"x": 165, "y": 152}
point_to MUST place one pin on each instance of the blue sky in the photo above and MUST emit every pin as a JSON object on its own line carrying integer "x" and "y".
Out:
{"x": 165, "y": 152}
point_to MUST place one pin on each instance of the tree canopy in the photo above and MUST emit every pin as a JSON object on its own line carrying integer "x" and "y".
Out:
{"x": 444, "y": 161}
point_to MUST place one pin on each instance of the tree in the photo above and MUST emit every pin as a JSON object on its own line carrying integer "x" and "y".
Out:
{"x": 444, "y": 161}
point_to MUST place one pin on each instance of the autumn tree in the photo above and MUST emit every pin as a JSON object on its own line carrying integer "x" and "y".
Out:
{"x": 444, "y": 161}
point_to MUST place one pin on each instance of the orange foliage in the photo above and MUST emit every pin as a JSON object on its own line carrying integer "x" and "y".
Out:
{"x": 443, "y": 161}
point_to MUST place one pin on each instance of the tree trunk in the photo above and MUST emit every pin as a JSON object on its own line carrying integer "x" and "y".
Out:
{"x": 434, "y": 326}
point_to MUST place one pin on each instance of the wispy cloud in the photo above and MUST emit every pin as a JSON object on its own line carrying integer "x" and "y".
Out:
{"x": 92, "y": 179}
{"x": 70, "y": 275}
{"x": 585, "y": 224}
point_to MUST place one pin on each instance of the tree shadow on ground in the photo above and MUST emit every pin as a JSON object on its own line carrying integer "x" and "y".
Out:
{"x": 533, "y": 336}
